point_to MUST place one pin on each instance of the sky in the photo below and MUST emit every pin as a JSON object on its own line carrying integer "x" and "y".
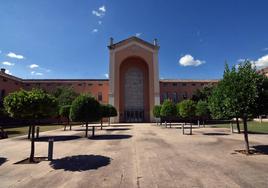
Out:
{"x": 69, "y": 38}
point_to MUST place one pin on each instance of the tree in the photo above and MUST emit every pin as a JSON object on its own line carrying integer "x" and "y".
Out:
{"x": 104, "y": 112}
{"x": 85, "y": 108}
{"x": 202, "y": 111}
{"x": 112, "y": 112}
{"x": 65, "y": 95}
{"x": 187, "y": 110}
{"x": 30, "y": 105}
{"x": 168, "y": 110}
{"x": 65, "y": 112}
{"x": 203, "y": 94}
{"x": 157, "y": 112}
{"x": 239, "y": 92}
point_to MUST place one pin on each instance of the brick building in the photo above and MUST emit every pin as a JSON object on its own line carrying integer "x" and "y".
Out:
{"x": 133, "y": 86}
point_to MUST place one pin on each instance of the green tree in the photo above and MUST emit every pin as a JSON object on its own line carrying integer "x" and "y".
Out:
{"x": 187, "y": 110}
{"x": 202, "y": 111}
{"x": 240, "y": 92}
{"x": 31, "y": 105}
{"x": 157, "y": 112}
{"x": 108, "y": 111}
{"x": 112, "y": 112}
{"x": 65, "y": 95}
{"x": 85, "y": 108}
{"x": 203, "y": 94}
{"x": 168, "y": 110}
{"x": 65, "y": 113}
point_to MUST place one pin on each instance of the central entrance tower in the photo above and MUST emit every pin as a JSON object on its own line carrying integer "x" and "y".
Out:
{"x": 134, "y": 80}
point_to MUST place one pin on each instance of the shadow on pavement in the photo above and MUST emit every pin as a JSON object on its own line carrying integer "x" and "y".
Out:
{"x": 80, "y": 162}
{"x": 118, "y": 129}
{"x": 110, "y": 137}
{"x": 56, "y": 138}
{"x": 253, "y": 132}
{"x": 261, "y": 149}
{"x": 123, "y": 125}
{"x": 2, "y": 160}
{"x": 215, "y": 134}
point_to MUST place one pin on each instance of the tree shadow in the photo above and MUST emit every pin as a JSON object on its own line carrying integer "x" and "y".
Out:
{"x": 89, "y": 129}
{"x": 80, "y": 162}
{"x": 215, "y": 134}
{"x": 110, "y": 137}
{"x": 261, "y": 149}
{"x": 56, "y": 138}
{"x": 117, "y": 129}
{"x": 2, "y": 160}
{"x": 9, "y": 132}
{"x": 254, "y": 132}
{"x": 123, "y": 125}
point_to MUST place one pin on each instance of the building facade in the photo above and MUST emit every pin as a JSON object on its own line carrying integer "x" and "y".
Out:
{"x": 133, "y": 86}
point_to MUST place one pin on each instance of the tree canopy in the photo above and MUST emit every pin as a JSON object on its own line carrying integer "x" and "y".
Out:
{"x": 202, "y": 109}
{"x": 65, "y": 95}
{"x": 187, "y": 108}
{"x": 157, "y": 111}
{"x": 34, "y": 104}
{"x": 168, "y": 109}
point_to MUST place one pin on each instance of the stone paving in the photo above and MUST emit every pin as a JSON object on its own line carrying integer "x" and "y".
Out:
{"x": 136, "y": 155}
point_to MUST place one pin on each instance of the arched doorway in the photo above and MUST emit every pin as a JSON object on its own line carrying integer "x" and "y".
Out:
{"x": 134, "y": 91}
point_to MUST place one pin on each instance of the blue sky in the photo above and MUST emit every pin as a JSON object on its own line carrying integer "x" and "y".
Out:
{"x": 69, "y": 38}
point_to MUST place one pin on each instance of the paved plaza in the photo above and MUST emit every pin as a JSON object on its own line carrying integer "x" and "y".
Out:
{"x": 136, "y": 155}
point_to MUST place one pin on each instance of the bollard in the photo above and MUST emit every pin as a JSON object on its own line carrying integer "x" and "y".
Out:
{"x": 183, "y": 128}
{"x": 191, "y": 127}
{"x": 50, "y": 149}
{"x": 93, "y": 131}
{"x": 37, "y": 132}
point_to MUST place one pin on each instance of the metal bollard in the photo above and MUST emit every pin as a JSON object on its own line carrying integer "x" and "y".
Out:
{"x": 50, "y": 149}
{"x": 37, "y": 132}
{"x": 93, "y": 131}
{"x": 183, "y": 128}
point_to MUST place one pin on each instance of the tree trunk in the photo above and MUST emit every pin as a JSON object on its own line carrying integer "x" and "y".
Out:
{"x": 29, "y": 131}
{"x": 32, "y": 144}
{"x": 86, "y": 129}
{"x": 64, "y": 127}
{"x": 191, "y": 127}
{"x": 101, "y": 123}
{"x": 237, "y": 124}
{"x": 246, "y": 134}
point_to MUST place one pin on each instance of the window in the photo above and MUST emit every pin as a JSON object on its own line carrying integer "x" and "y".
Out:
{"x": 2, "y": 95}
{"x": 90, "y": 84}
{"x": 184, "y": 95}
{"x": 165, "y": 84}
{"x": 99, "y": 96}
{"x": 193, "y": 84}
{"x": 80, "y": 84}
{"x": 202, "y": 84}
{"x": 27, "y": 84}
{"x": 174, "y": 84}
{"x": 174, "y": 97}
{"x": 100, "y": 84}
{"x": 184, "y": 84}
{"x": 5, "y": 80}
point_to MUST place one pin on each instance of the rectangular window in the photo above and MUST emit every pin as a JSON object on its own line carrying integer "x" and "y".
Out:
{"x": 174, "y": 84}
{"x": 184, "y": 84}
{"x": 90, "y": 84}
{"x": 193, "y": 84}
{"x": 99, "y": 96}
{"x": 165, "y": 84}
{"x": 100, "y": 84}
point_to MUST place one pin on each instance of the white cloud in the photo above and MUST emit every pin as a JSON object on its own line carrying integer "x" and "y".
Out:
{"x": 102, "y": 9}
{"x": 33, "y": 66}
{"x": 100, "y": 12}
{"x": 16, "y": 56}
{"x": 138, "y": 34}
{"x": 36, "y": 73}
{"x": 265, "y": 49}
{"x": 8, "y": 72}
{"x": 261, "y": 62}
{"x": 188, "y": 60}
{"x": 8, "y": 63}
{"x": 99, "y": 22}
{"x": 95, "y": 30}
{"x": 106, "y": 75}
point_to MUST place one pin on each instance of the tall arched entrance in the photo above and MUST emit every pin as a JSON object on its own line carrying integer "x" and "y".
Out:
{"x": 134, "y": 90}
